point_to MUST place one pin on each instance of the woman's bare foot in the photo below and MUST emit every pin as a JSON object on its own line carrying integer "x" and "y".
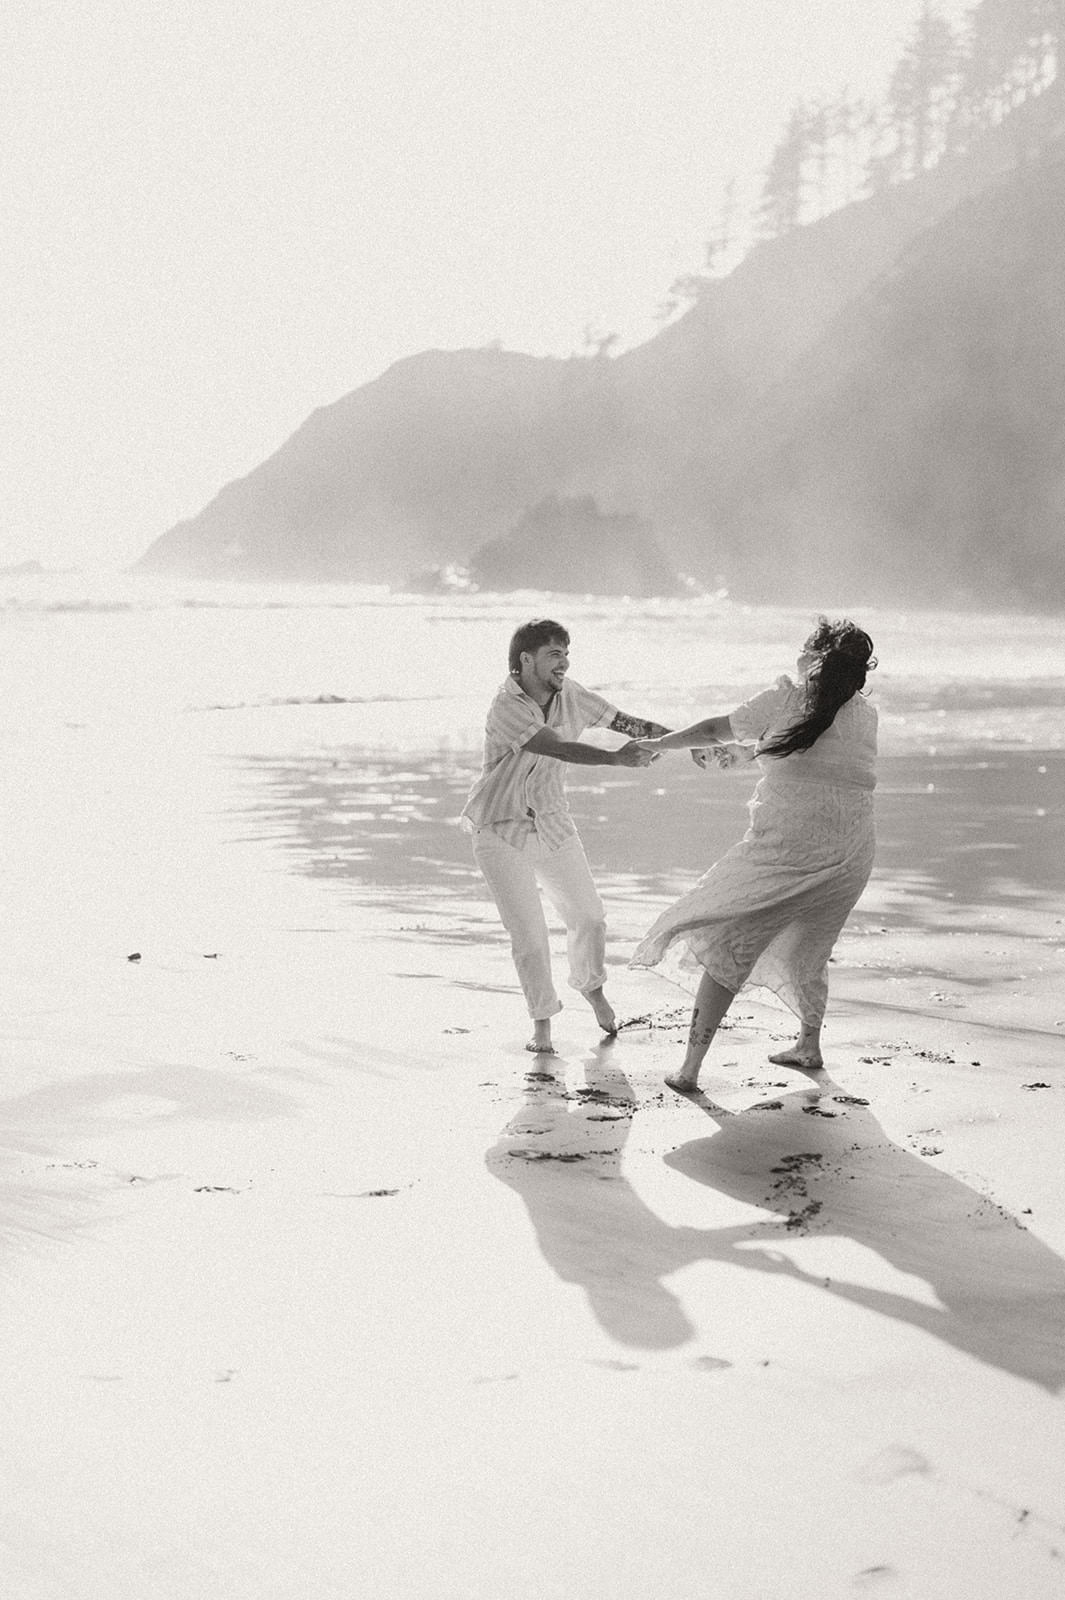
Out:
{"x": 604, "y": 1011}
{"x": 798, "y": 1057}
{"x": 682, "y": 1082}
{"x": 540, "y": 1043}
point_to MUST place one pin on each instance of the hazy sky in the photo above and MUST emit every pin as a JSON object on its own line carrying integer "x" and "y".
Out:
{"x": 220, "y": 214}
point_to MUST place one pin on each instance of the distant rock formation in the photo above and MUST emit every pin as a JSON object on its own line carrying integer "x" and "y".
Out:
{"x": 442, "y": 452}
{"x": 569, "y": 545}
{"x": 869, "y": 407}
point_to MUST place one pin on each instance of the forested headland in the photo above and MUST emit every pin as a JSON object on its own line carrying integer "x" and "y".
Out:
{"x": 859, "y": 392}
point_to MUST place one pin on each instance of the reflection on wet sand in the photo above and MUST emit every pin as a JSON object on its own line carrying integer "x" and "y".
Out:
{"x": 817, "y": 1161}
{"x": 959, "y": 831}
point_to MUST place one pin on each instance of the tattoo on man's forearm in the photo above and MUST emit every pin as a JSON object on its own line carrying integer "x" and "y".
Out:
{"x": 636, "y": 727}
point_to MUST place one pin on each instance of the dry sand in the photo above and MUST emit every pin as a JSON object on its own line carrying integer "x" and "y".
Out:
{"x": 313, "y": 1292}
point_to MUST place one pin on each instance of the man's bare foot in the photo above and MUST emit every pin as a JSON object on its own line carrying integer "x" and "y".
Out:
{"x": 798, "y": 1058}
{"x": 540, "y": 1043}
{"x": 682, "y": 1083}
{"x": 604, "y": 1011}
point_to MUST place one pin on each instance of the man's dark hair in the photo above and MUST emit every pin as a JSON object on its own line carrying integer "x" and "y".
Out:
{"x": 531, "y": 636}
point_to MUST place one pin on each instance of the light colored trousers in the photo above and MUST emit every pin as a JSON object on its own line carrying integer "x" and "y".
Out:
{"x": 515, "y": 877}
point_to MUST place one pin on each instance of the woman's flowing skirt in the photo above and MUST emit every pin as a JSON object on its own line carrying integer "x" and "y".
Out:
{"x": 770, "y": 910}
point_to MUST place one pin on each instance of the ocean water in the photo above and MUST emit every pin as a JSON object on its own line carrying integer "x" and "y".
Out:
{"x": 258, "y": 668}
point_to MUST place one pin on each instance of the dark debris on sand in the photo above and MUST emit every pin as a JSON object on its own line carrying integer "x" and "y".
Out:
{"x": 522, "y": 1154}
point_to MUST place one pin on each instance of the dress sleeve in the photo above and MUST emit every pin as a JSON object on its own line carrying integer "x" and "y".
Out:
{"x": 763, "y": 711}
{"x": 593, "y": 710}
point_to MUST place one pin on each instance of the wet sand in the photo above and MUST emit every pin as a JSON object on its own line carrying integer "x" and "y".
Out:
{"x": 314, "y": 1289}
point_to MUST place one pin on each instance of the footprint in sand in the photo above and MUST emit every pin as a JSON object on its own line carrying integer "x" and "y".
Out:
{"x": 791, "y": 1174}
{"x": 877, "y": 1578}
{"x": 710, "y": 1364}
{"x": 926, "y": 1149}
{"x": 359, "y": 1194}
{"x": 896, "y": 1461}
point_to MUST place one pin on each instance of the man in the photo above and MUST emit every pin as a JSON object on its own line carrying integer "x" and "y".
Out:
{"x": 523, "y": 834}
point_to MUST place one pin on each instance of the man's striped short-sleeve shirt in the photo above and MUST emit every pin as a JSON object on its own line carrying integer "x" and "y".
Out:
{"x": 518, "y": 791}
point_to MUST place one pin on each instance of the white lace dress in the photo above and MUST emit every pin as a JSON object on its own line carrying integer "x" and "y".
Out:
{"x": 769, "y": 912}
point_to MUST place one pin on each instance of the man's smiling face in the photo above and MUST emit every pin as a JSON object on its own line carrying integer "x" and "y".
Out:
{"x": 545, "y": 669}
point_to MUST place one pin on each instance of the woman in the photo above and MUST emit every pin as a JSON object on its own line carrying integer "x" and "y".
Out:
{"x": 770, "y": 911}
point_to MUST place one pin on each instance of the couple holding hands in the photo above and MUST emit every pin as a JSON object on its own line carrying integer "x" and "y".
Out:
{"x": 767, "y": 913}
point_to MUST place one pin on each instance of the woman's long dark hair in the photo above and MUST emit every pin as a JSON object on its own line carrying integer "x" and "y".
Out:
{"x": 845, "y": 655}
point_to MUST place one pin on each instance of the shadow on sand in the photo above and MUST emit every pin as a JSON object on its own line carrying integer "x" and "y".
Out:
{"x": 817, "y": 1164}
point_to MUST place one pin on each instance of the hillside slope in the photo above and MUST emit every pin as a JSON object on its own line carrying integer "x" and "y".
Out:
{"x": 919, "y": 448}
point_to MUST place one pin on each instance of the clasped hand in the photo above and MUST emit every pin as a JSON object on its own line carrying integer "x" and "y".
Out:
{"x": 637, "y": 753}
{"x": 723, "y": 756}
{"x": 718, "y": 755}
{"x": 641, "y": 752}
